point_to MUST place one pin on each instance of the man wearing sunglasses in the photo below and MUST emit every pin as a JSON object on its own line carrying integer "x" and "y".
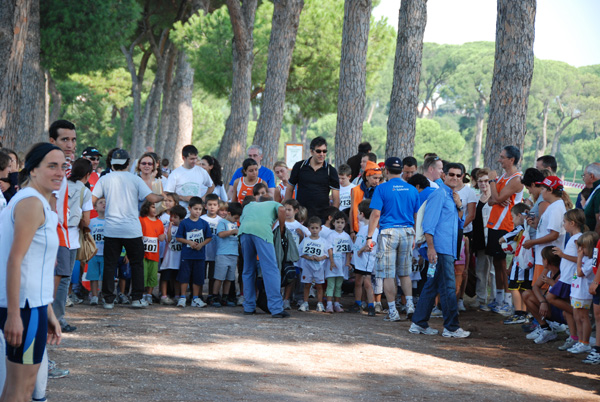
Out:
{"x": 315, "y": 179}
{"x": 93, "y": 155}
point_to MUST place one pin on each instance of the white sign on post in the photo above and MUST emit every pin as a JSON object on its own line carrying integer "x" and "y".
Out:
{"x": 293, "y": 153}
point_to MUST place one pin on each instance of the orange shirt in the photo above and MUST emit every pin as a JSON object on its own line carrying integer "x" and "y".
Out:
{"x": 357, "y": 196}
{"x": 151, "y": 229}
{"x": 500, "y": 218}
{"x": 244, "y": 189}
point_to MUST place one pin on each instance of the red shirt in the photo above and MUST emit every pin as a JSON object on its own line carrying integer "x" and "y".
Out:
{"x": 596, "y": 250}
{"x": 151, "y": 229}
{"x": 92, "y": 182}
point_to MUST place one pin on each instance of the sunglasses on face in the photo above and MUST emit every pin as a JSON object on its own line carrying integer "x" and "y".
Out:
{"x": 454, "y": 174}
{"x": 93, "y": 158}
{"x": 320, "y": 151}
{"x": 146, "y": 164}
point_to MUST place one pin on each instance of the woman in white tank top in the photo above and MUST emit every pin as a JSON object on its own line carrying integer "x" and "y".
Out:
{"x": 28, "y": 248}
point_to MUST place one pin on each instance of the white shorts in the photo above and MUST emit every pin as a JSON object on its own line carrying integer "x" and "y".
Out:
{"x": 310, "y": 276}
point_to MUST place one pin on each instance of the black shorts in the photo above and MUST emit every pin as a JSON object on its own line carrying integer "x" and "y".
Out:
{"x": 361, "y": 272}
{"x": 519, "y": 285}
{"x": 210, "y": 269}
{"x": 35, "y": 334}
{"x": 167, "y": 275}
{"x": 493, "y": 248}
{"x": 193, "y": 270}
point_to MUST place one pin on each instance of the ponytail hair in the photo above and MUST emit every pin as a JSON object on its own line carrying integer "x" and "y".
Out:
{"x": 577, "y": 216}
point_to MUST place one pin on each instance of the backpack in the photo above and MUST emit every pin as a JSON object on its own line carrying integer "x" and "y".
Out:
{"x": 419, "y": 233}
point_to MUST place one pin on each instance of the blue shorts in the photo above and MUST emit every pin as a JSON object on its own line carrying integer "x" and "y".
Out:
{"x": 192, "y": 270}
{"x": 95, "y": 268}
{"x": 596, "y": 299}
{"x": 123, "y": 270}
{"x": 35, "y": 334}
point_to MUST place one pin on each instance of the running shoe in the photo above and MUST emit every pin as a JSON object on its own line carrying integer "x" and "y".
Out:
{"x": 459, "y": 333}
{"x": 141, "y": 303}
{"x": 197, "y": 302}
{"x": 94, "y": 301}
{"x": 181, "y": 302}
{"x": 592, "y": 358}
{"x": 515, "y": 319}
{"x": 436, "y": 313}
{"x": 579, "y": 348}
{"x": 416, "y": 329}
{"x": 546, "y": 335}
{"x": 329, "y": 308}
{"x": 461, "y": 305}
{"x": 534, "y": 334}
{"x": 569, "y": 343}
{"x": 393, "y": 317}
{"x": 287, "y": 305}
{"x": 320, "y": 307}
{"x": 304, "y": 307}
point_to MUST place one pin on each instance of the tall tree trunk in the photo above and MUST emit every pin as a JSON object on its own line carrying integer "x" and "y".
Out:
{"x": 154, "y": 101}
{"x": 233, "y": 144}
{"x": 293, "y": 129}
{"x": 407, "y": 72}
{"x": 123, "y": 122}
{"x": 164, "y": 134}
{"x": 15, "y": 21}
{"x": 479, "y": 117}
{"x": 136, "y": 93}
{"x": 55, "y": 98}
{"x": 543, "y": 140}
{"x": 562, "y": 125}
{"x": 286, "y": 16}
{"x": 353, "y": 78}
{"x": 513, "y": 70}
{"x": 371, "y": 112}
{"x": 184, "y": 84}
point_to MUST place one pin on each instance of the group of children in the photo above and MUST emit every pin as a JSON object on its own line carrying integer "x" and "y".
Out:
{"x": 563, "y": 292}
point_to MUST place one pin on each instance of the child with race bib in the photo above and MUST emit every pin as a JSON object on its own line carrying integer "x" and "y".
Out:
{"x": 345, "y": 175}
{"x": 581, "y": 299}
{"x": 212, "y": 218}
{"x": 171, "y": 199}
{"x": 364, "y": 261}
{"x": 96, "y": 264}
{"x": 193, "y": 233}
{"x": 341, "y": 244}
{"x": 314, "y": 253}
{"x": 153, "y": 232}
{"x": 170, "y": 263}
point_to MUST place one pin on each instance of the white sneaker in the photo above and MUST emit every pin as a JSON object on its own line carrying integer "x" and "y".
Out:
{"x": 535, "y": 333}
{"x": 69, "y": 302}
{"x": 197, "y": 302}
{"x": 410, "y": 310}
{"x": 393, "y": 317}
{"x": 580, "y": 348}
{"x": 148, "y": 299}
{"x": 108, "y": 306}
{"x": 378, "y": 308}
{"x": 459, "y": 333}
{"x": 304, "y": 307}
{"x": 241, "y": 300}
{"x": 461, "y": 305}
{"x": 416, "y": 329}
{"x": 94, "y": 301}
{"x": 181, "y": 302}
{"x": 546, "y": 335}
{"x": 556, "y": 327}
{"x": 320, "y": 307}
{"x": 286, "y": 305}
{"x": 506, "y": 310}
{"x": 569, "y": 343}
{"x": 436, "y": 312}
{"x": 141, "y": 303}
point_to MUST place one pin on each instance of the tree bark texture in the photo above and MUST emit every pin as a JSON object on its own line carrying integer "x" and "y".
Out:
{"x": 353, "y": 78}
{"x": 233, "y": 143}
{"x": 184, "y": 84}
{"x": 15, "y": 20}
{"x": 55, "y": 98}
{"x": 165, "y": 138}
{"x": 286, "y": 17}
{"x": 513, "y": 70}
{"x": 404, "y": 100}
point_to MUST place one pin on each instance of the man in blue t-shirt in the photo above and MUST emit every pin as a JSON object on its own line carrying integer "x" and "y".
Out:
{"x": 255, "y": 152}
{"x": 395, "y": 204}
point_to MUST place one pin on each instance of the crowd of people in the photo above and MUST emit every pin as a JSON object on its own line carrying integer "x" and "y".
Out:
{"x": 419, "y": 236}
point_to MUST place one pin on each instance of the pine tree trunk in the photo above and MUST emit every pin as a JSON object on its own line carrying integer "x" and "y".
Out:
{"x": 55, "y": 98}
{"x": 543, "y": 140}
{"x": 164, "y": 137}
{"x": 407, "y": 72}
{"x": 371, "y": 111}
{"x": 479, "y": 117}
{"x": 154, "y": 101}
{"x": 15, "y": 21}
{"x": 286, "y": 16}
{"x": 183, "y": 86}
{"x": 123, "y": 122}
{"x": 353, "y": 78}
{"x": 233, "y": 144}
{"x": 513, "y": 70}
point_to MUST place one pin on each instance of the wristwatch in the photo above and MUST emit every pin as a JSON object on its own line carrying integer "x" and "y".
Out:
{"x": 460, "y": 208}
{"x": 491, "y": 181}
{"x": 369, "y": 237}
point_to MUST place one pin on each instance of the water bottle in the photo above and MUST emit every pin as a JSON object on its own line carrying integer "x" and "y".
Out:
{"x": 431, "y": 270}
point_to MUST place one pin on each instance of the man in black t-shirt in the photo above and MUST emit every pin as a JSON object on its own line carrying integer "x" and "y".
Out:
{"x": 315, "y": 178}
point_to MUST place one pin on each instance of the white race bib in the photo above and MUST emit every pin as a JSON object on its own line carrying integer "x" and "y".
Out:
{"x": 196, "y": 236}
{"x": 342, "y": 246}
{"x": 150, "y": 244}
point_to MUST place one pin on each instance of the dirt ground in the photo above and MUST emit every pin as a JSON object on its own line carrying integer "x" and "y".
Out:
{"x": 169, "y": 354}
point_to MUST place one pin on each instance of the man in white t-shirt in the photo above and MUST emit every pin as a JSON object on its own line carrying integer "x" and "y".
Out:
{"x": 122, "y": 228}
{"x": 189, "y": 180}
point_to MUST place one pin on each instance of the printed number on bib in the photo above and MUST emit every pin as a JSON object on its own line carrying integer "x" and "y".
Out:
{"x": 176, "y": 246}
{"x": 196, "y": 236}
{"x": 595, "y": 257}
{"x": 150, "y": 244}
{"x": 312, "y": 251}
{"x": 342, "y": 248}
{"x": 98, "y": 237}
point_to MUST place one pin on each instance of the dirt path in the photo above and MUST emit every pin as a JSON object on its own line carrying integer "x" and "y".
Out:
{"x": 169, "y": 354}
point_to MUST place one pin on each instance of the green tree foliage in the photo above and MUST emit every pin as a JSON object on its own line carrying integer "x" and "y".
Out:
{"x": 84, "y": 35}
{"x": 430, "y": 137}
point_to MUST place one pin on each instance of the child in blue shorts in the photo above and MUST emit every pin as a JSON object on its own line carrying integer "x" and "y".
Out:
{"x": 96, "y": 264}
{"x": 193, "y": 233}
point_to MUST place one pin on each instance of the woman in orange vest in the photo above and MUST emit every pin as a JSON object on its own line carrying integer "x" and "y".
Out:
{"x": 372, "y": 176}
{"x": 244, "y": 185}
